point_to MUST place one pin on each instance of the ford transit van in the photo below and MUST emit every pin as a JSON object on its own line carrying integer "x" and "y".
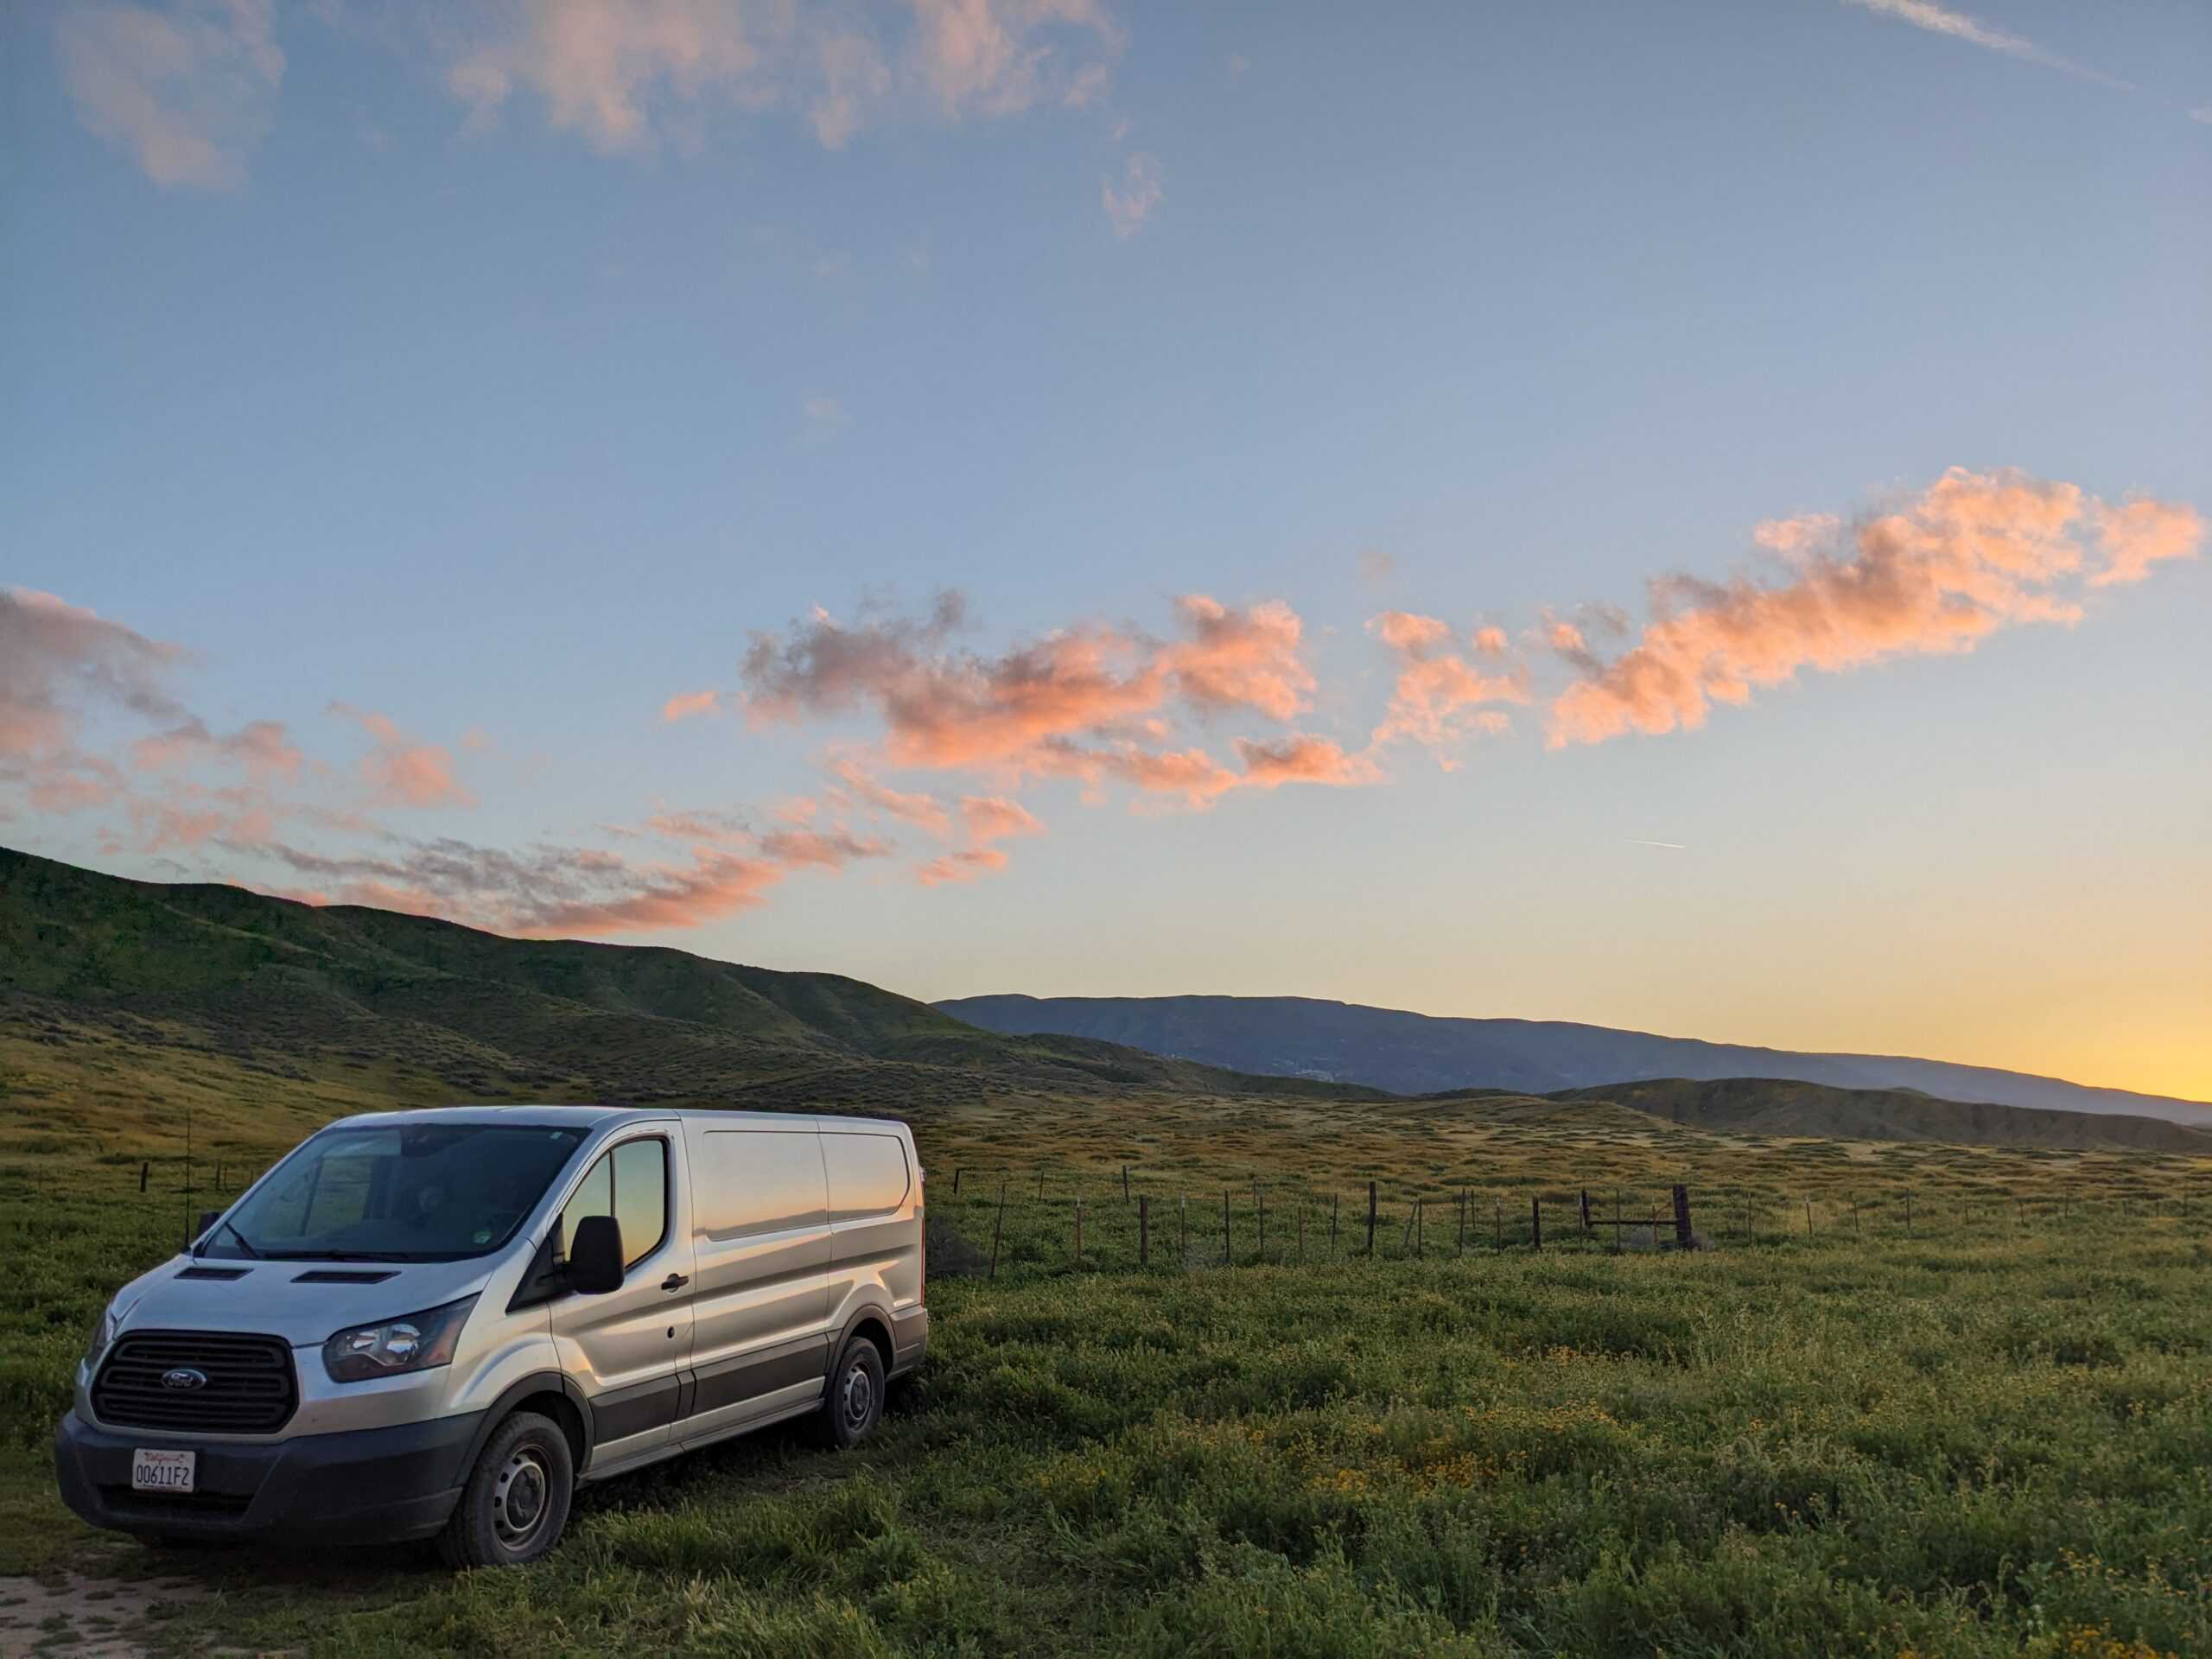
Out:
{"x": 440, "y": 1323}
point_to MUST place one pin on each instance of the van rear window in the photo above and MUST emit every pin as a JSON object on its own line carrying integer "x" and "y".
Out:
{"x": 867, "y": 1174}
{"x": 748, "y": 1181}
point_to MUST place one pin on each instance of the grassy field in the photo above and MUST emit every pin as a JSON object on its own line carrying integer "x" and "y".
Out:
{"x": 1991, "y": 1434}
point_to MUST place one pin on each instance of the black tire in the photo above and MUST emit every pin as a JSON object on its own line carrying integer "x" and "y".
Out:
{"x": 854, "y": 1400}
{"x": 516, "y": 1500}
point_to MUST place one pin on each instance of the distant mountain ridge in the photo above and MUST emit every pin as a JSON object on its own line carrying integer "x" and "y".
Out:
{"x": 1415, "y": 1054}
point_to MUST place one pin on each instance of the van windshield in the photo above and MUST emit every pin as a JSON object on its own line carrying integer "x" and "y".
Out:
{"x": 427, "y": 1192}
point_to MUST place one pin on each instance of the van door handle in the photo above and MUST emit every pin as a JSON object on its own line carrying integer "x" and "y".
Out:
{"x": 676, "y": 1281}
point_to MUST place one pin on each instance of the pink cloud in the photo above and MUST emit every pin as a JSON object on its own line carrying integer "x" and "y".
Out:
{"x": 2135, "y": 536}
{"x": 261, "y": 745}
{"x": 922, "y": 811}
{"x": 994, "y": 818}
{"x": 400, "y": 771}
{"x": 1301, "y": 759}
{"x": 58, "y": 659}
{"x": 1077, "y": 702}
{"x": 624, "y": 75}
{"x": 688, "y": 703}
{"x": 1240, "y": 659}
{"x": 1938, "y": 573}
{"x": 186, "y": 94}
{"x": 960, "y": 866}
{"x": 1439, "y": 697}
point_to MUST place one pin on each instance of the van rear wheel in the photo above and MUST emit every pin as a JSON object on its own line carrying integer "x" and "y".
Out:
{"x": 855, "y": 1397}
{"x": 515, "y": 1499}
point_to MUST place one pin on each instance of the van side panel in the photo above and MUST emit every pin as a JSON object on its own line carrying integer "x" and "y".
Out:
{"x": 876, "y": 1230}
{"x": 760, "y": 1298}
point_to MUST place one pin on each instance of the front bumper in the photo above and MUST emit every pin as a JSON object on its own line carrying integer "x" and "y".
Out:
{"x": 369, "y": 1485}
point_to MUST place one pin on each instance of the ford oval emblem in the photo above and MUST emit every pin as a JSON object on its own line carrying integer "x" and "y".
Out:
{"x": 184, "y": 1377}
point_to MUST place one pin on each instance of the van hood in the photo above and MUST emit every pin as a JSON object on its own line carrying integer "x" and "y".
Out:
{"x": 298, "y": 1301}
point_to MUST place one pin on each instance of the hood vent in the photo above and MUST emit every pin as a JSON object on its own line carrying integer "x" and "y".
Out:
{"x": 215, "y": 1273}
{"x": 335, "y": 1276}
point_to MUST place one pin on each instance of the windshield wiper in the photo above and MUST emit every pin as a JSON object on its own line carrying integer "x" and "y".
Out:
{"x": 352, "y": 1255}
{"x": 245, "y": 1243}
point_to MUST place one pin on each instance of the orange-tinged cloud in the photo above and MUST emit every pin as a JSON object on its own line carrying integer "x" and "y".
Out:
{"x": 261, "y": 745}
{"x": 685, "y": 704}
{"x": 1439, "y": 699}
{"x": 400, "y": 771}
{"x": 1084, "y": 702}
{"x": 1240, "y": 659}
{"x": 994, "y": 818}
{"x": 2135, "y": 536}
{"x": 960, "y": 867}
{"x": 923, "y": 812}
{"x": 1298, "y": 759}
{"x": 1938, "y": 573}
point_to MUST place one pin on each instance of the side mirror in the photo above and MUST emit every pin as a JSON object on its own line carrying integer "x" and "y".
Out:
{"x": 208, "y": 1218}
{"x": 595, "y": 1256}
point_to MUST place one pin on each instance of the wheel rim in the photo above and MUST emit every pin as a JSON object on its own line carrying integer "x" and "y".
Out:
{"x": 522, "y": 1497}
{"x": 858, "y": 1396}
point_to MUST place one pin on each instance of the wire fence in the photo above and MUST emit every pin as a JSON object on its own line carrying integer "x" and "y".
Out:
{"x": 999, "y": 1220}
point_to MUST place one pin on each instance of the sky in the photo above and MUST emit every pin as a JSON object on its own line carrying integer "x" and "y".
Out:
{"x": 1682, "y": 517}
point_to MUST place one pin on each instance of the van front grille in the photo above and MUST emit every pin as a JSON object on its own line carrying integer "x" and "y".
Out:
{"x": 250, "y": 1386}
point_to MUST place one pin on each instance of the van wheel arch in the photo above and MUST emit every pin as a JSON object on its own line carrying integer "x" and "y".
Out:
{"x": 871, "y": 1322}
{"x": 551, "y": 1395}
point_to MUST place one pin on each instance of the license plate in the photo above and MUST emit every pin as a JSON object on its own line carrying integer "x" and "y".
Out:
{"x": 163, "y": 1471}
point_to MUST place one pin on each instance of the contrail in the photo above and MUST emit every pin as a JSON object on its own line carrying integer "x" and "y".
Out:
{"x": 1672, "y": 846}
{"x": 1940, "y": 20}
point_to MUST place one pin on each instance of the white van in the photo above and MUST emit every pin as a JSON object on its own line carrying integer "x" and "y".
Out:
{"x": 438, "y": 1323}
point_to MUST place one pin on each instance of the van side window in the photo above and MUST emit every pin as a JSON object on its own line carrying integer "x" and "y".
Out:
{"x": 630, "y": 1185}
{"x": 641, "y": 1196}
{"x": 746, "y": 1182}
{"x": 867, "y": 1174}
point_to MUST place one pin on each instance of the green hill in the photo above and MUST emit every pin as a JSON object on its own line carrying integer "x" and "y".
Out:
{"x": 1779, "y": 1106}
{"x": 481, "y": 1016}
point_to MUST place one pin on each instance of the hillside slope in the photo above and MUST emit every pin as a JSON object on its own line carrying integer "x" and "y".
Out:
{"x": 1782, "y": 1106}
{"x": 486, "y": 1016}
{"x": 1413, "y": 1053}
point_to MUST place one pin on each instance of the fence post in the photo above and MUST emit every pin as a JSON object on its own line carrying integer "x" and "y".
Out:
{"x": 1125, "y": 1183}
{"x": 1301, "y": 1232}
{"x": 1586, "y": 1209}
{"x": 1371, "y": 1220}
{"x": 1078, "y": 1232}
{"x": 1420, "y": 1205}
{"x": 997, "y": 1228}
{"x": 1333, "y": 1226}
{"x": 1497, "y": 1223}
{"x": 1228, "y": 1250}
{"x": 1144, "y": 1232}
{"x": 1459, "y": 1247}
{"x": 144, "y": 1170}
{"x": 955, "y": 1180}
{"x": 1808, "y": 1217}
{"x": 1536, "y": 1222}
{"x": 1183, "y": 1232}
{"x": 1908, "y": 1215}
{"x": 1682, "y": 1233}
{"x": 1259, "y": 1206}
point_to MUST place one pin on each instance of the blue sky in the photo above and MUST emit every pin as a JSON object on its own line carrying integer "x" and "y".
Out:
{"x": 453, "y": 401}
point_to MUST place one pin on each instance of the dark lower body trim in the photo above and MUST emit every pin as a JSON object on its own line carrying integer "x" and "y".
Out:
{"x": 369, "y": 1485}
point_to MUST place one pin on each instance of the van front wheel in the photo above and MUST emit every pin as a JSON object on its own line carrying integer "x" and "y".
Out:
{"x": 855, "y": 1398}
{"x": 516, "y": 1500}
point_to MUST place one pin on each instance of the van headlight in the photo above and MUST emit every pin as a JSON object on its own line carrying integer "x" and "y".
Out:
{"x": 103, "y": 1333}
{"x": 414, "y": 1342}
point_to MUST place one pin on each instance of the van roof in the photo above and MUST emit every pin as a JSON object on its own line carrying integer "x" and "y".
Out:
{"x": 535, "y": 1114}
